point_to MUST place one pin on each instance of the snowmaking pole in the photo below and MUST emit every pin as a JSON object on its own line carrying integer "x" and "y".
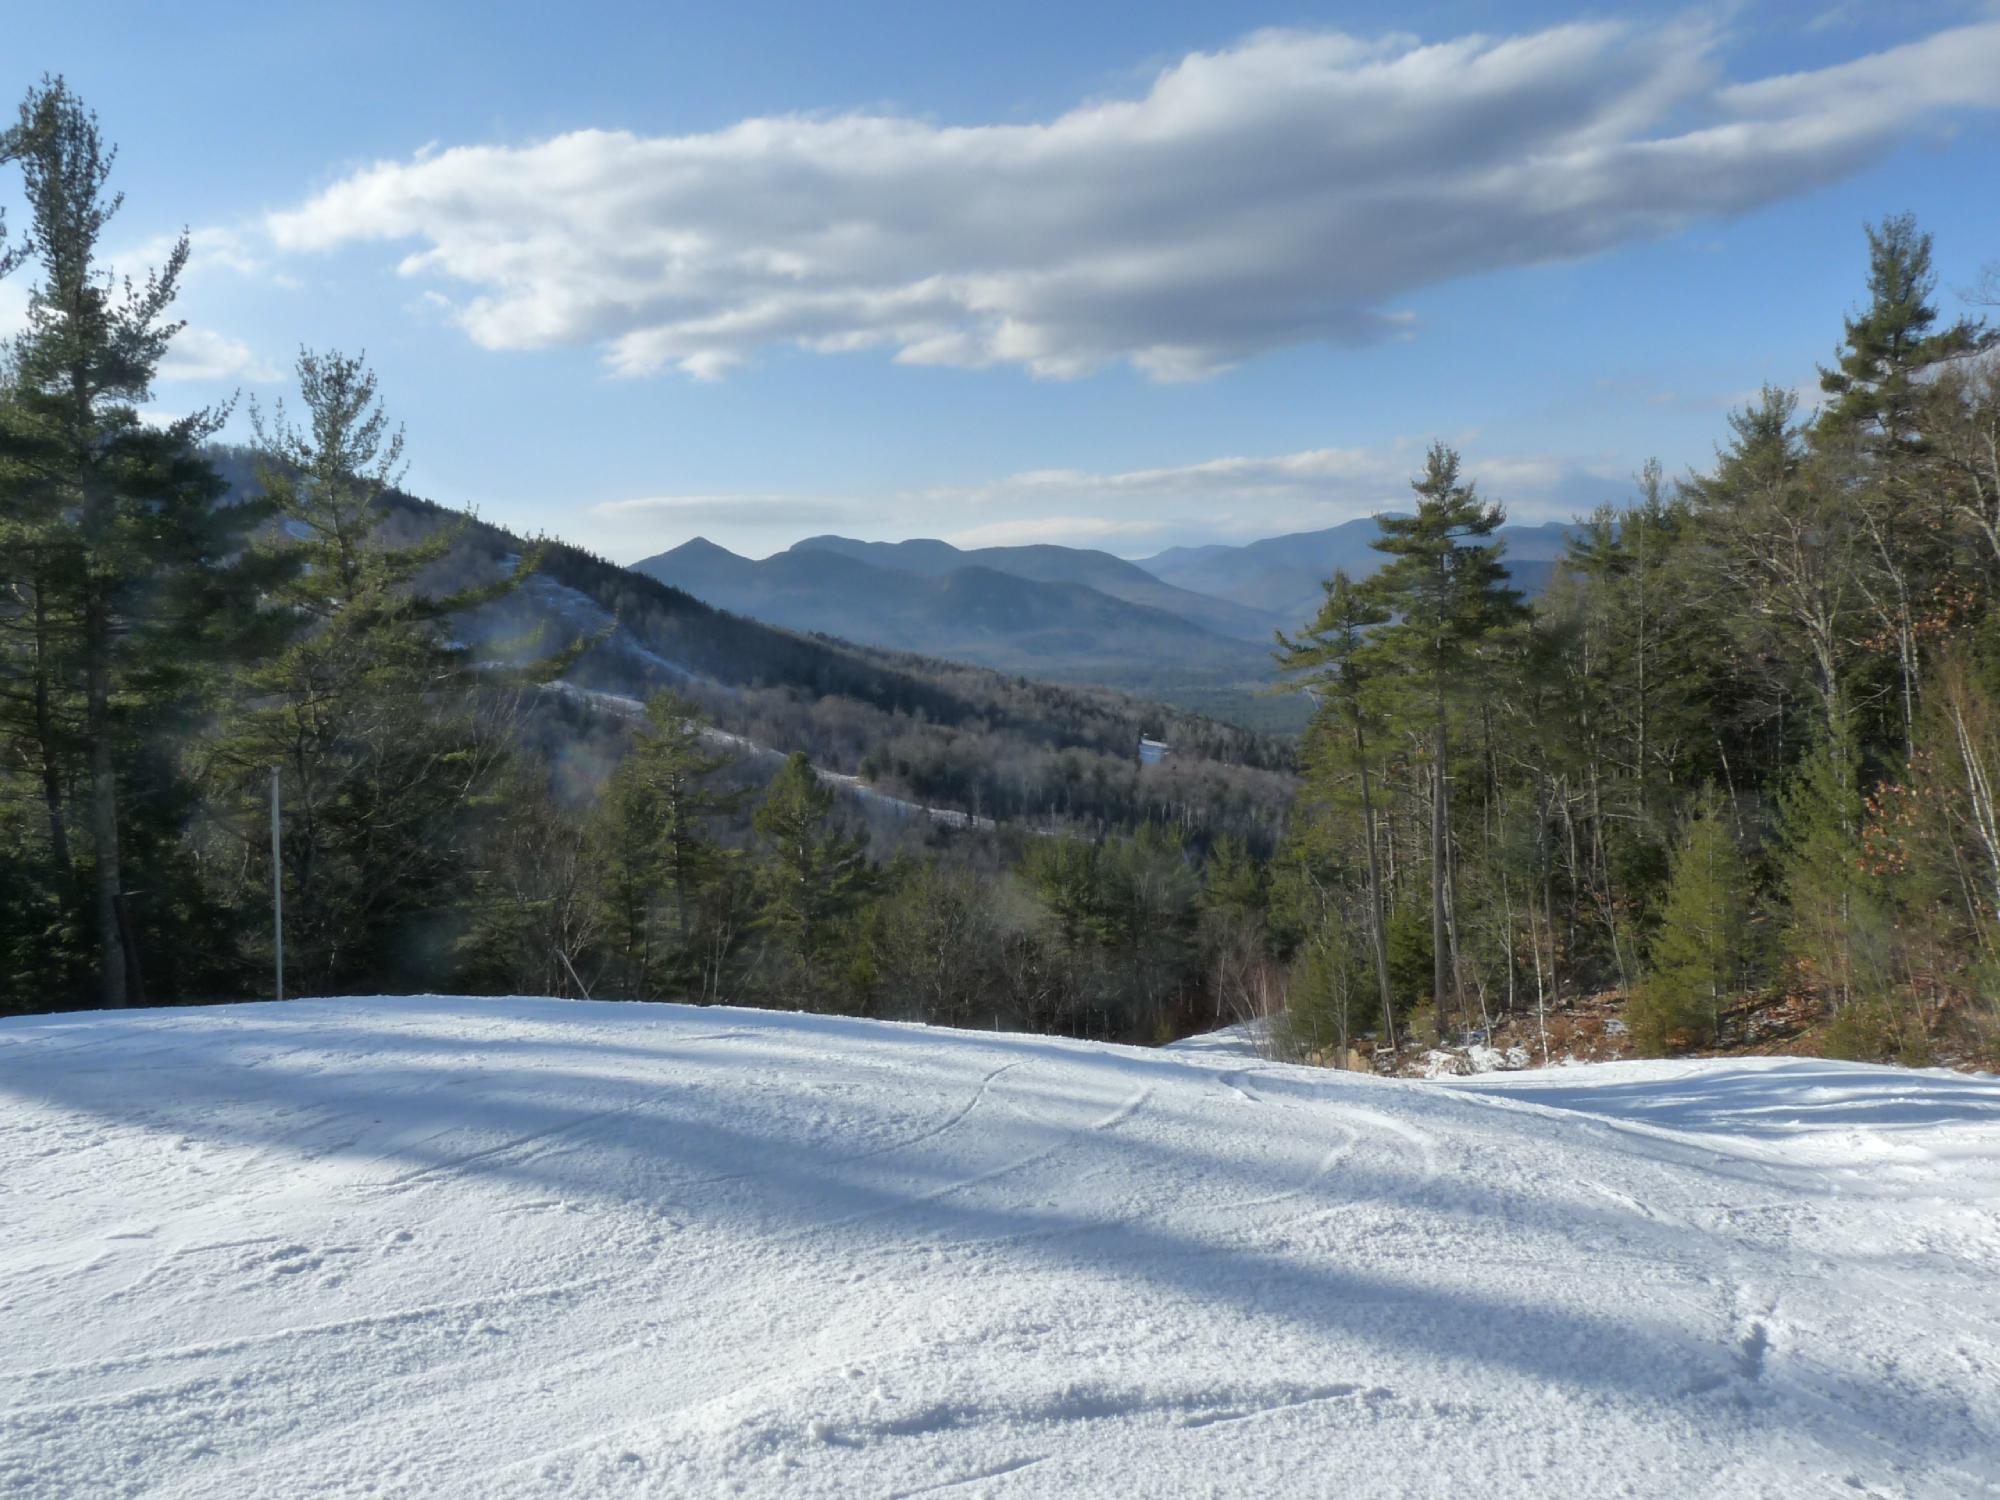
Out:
{"x": 277, "y": 891}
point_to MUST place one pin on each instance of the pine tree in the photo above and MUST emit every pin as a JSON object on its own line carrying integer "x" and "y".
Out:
{"x": 812, "y": 878}
{"x": 375, "y": 719}
{"x": 1064, "y": 874}
{"x": 1448, "y": 590}
{"x": 1880, "y": 429}
{"x": 1631, "y": 694}
{"x": 126, "y": 574}
{"x": 1652, "y": 667}
{"x": 1333, "y": 650}
{"x": 657, "y": 855}
{"x": 1700, "y": 954}
{"x": 1877, "y": 379}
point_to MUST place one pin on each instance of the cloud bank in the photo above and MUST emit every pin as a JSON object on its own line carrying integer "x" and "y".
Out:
{"x": 1285, "y": 190}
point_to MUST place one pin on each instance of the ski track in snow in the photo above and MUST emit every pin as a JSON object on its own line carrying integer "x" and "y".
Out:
{"x": 434, "y": 1246}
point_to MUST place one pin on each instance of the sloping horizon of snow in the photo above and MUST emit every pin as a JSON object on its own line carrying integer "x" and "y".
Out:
{"x": 435, "y": 1246}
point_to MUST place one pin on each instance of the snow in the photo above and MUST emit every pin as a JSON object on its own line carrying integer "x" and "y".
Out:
{"x": 441, "y": 1246}
{"x": 1246, "y": 1039}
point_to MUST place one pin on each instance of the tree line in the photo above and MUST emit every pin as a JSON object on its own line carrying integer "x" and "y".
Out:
{"x": 1745, "y": 746}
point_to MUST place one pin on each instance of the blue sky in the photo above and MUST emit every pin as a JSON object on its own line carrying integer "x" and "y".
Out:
{"x": 1120, "y": 275}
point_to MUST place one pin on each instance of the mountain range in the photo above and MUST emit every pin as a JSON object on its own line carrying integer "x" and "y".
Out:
{"x": 1283, "y": 573}
{"x": 1191, "y": 626}
{"x": 899, "y": 733}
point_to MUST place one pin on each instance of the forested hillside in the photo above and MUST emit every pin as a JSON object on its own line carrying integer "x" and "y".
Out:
{"x": 1745, "y": 744}
{"x": 1742, "y": 745}
{"x": 943, "y": 733}
{"x": 470, "y": 790}
{"x": 1022, "y": 611}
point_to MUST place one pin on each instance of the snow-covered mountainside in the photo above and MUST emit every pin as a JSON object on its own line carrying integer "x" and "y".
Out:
{"x": 472, "y": 1247}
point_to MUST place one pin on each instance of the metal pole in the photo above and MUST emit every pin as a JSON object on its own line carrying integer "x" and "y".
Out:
{"x": 277, "y": 889}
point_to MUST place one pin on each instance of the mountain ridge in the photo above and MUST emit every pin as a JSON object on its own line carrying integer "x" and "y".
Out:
{"x": 1191, "y": 625}
{"x": 1056, "y": 627}
{"x": 1044, "y": 562}
{"x": 1284, "y": 573}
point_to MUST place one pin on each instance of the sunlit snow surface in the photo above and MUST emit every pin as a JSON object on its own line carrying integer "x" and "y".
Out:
{"x": 471, "y": 1247}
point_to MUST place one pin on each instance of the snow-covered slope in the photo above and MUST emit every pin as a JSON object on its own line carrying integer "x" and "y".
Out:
{"x": 458, "y": 1247}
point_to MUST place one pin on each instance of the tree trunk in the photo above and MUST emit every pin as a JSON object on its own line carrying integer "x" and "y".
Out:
{"x": 1378, "y": 938}
{"x": 113, "y": 979}
{"x": 1441, "y": 965}
{"x": 45, "y": 734}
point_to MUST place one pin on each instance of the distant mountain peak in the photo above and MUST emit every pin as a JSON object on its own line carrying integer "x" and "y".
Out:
{"x": 699, "y": 547}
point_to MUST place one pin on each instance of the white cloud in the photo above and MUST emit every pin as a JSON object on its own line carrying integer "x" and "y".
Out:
{"x": 1287, "y": 189}
{"x": 203, "y": 354}
{"x": 1316, "y": 470}
{"x": 211, "y": 249}
{"x": 737, "y": 510}
{"x": 1243, "y": 497}
{"x": 1069, "y": 531}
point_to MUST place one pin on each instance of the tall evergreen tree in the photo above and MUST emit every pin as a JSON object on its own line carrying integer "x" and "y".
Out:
{"x": 658, "y": 855}
{"x": 812, "y": 879}
{"x": 1448, "y": 589}
{"x": 1880, "y": 427}
{"x": 372, "y": 715}
{"x": 1877, "y": 378}
{"x": 1632, "y": 696}
{"x": 1333, "y": 650}
{"x": 1064, "y": 874}
{"x": 125, "y": 572}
